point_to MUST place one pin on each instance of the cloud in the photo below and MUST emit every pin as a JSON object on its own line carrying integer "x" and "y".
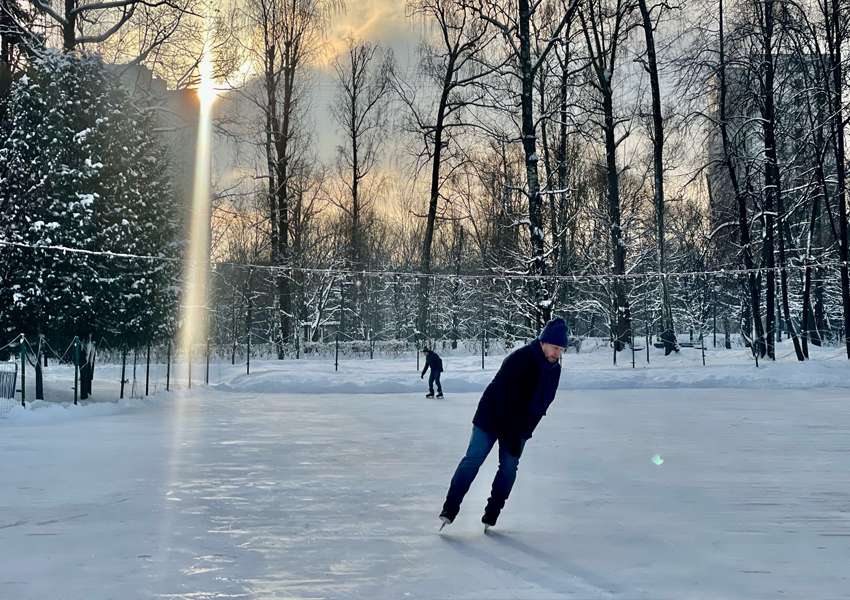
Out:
{"x": 375, "y": 20}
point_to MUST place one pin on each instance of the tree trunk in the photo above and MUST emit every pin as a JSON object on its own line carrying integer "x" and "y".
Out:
{"x": 563, "y": 263}
{"x": 757, "y": 344}
{"x": 69, "y": 33}
{"x": 773, "y": 187}
{"x": 529, "y": 145}
{"x": 271, "y": 163}
{"x": 282, "y": 136}
{"x": 668, "y": 335}
{"x": 623, "y": 315}
{"x": 434, "y": 197}
{"x": 835, "y": 37}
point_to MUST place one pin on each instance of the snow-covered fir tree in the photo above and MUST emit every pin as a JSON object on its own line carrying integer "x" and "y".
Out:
{"x": 81, "y": 168}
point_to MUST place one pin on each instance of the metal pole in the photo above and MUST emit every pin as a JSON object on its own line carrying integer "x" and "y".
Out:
{"x": 24, "y": 371}
{"x": 168, "y": 369}
{"x": 342, "y": 304}
{"x": 135, "y": 362}
{"x": 615, "y": 331}
{"x": 647, "y": 321}
{"x": 90, "y": 356}
{"x": 336, "y": 352}
{"x": 633, "y": 354}
{"x": 207, "y": 376}
{"x": 754, "y": 344}
{"x": 148, "y": 371}
{"x": 76, "y": 367}
{"x": 483, "y": 329}
{"x": 39, "y": 381}
{"x": 702, "y": 344}
{"x": 248, "y": 362}
{"x": 614, "y": 345}
{"x": 715, "y": 318}
{"x": 123, "y": 368}
{"x": 483, "y": 341}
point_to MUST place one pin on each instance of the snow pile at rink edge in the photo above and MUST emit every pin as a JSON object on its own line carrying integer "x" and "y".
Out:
{"x": 39, "y": 412}
{"x": 467, "y": 377}
{"x": 464, "y": 375}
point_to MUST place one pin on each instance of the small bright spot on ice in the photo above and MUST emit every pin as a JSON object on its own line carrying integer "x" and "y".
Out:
{"x": 657, "y": 459}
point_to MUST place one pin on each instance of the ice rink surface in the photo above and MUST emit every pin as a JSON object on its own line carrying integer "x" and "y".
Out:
{"x": 222, "y": 494}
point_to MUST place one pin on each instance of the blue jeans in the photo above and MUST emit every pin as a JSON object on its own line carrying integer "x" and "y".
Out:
{"x": 480, "y": 445}
{"x": 432, "y": 378}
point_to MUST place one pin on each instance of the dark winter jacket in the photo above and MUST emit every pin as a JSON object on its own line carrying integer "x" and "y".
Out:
{"x": 433, "y": 360}
{"x": 518, "y": 396}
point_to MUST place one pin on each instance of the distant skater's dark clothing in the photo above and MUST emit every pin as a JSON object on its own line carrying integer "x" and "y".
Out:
{"x": 433, "y": 378}
{"x": 509, "y": 411}
{"x": 435, "y": 363}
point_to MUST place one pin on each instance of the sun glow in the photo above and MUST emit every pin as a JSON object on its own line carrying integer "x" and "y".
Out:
{"x": 206, "y": 90}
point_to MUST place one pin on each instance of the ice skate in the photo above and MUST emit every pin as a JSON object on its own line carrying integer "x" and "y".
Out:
{"x": 445, "y": 519}
{"x": 489, "y": 520}
{"x": 429, "y": 395}
{"x": 439, "y": 394}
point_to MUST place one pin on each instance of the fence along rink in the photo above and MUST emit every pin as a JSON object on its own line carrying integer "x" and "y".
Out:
{"x": 220, "y": 366}
{"x": 383, "y": 306}
{"x": 468, "y": 315}
{"x": 320, "y": 304}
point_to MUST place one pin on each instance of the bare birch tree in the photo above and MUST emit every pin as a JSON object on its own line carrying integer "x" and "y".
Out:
{"x": 606, "y": 25}
{"x": 281, "y": 39}
{"x": 514, "y": 20}
{"x": 361, "y": 111}
{"x": 451, "y": 64}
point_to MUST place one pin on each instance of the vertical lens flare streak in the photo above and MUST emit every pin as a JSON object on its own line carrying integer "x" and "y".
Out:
{"x": 195, "y": 317}
{"x": 194, "y": 309}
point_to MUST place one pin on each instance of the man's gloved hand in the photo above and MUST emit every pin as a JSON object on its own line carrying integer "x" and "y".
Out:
{"x": 515, "y": 447}
{"x": 422, "y": 376}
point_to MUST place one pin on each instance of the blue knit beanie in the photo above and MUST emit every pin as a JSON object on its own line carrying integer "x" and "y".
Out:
{"x": 556, "y": 333}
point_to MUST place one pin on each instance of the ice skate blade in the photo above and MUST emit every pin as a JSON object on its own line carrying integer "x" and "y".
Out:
{"x": 445, "y": 521}
{"x": 487, "y": 528}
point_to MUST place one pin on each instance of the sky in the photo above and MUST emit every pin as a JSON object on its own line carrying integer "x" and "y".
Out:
{"x": 381, "y": 20}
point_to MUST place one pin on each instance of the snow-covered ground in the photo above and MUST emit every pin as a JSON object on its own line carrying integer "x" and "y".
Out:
{"x": 298, "y": 481}
{"x": 592, "y": 368}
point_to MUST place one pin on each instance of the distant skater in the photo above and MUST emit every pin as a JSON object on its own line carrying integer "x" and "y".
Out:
{"x": 509, "y": 410}
{"x": 435, "y": 363}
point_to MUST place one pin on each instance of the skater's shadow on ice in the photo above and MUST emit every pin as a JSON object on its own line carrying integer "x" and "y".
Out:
{"x": 572, "y": 579}
{"x": 593, "y": 579}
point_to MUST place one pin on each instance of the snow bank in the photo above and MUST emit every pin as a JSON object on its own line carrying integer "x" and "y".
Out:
{"x": 767, "y": 376}
{"x": 587, "y": 370}
{"x": 590, "y": 369}
{"x": 41, "y": 413}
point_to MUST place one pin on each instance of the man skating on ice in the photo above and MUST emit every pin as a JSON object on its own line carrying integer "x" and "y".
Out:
{"x": 433, "y": 360}
{"x": 509, "y": 410}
